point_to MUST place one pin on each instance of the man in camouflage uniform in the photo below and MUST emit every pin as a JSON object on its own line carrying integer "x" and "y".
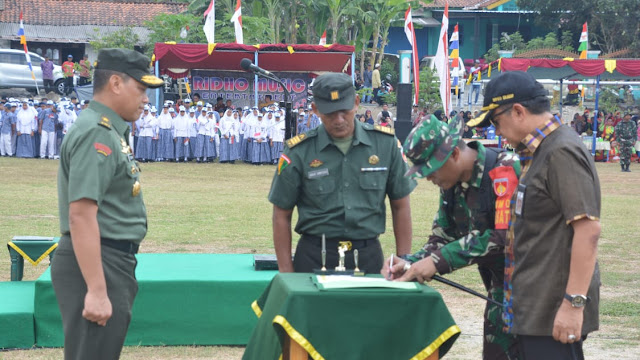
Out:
{"x": 470, "y": 226}
{"x": 626, "y": 133}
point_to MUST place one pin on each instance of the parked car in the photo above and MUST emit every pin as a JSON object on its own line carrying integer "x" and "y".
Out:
{"x": 15, "y": 73}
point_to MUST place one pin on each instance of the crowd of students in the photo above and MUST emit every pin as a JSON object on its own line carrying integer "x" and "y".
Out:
{"x": 179, "y": 132}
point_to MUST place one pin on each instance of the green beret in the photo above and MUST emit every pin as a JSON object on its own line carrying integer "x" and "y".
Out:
{"x": 129, "y": 62}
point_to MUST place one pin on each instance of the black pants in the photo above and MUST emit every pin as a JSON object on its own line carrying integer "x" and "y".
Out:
{"x": 48, "y": 85}
{"x": 545, "y": 347}
{"x": 308, "y": 255}
{"x": 84, "y": 339}
{"x": 68, "y": 85}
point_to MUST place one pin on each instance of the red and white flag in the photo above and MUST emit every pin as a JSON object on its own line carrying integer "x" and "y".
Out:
{"x": 442, "y": 62}
{"x": 236, "y": 19}
{"x": 411, "y": 36}
{"x": 323, "y": 38}
{"x": 210, "y": 23}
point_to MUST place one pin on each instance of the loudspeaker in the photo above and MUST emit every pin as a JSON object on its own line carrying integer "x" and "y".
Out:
{"x": 404, "y": 100}
{"x": 403, "y": 128}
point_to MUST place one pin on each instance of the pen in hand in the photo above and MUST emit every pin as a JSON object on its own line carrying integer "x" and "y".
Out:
{"x": 390, "y": 266}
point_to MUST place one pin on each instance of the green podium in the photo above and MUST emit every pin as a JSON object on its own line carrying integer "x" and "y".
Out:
{"x": 31, "y": 248}
{"x": 349, "y": 324}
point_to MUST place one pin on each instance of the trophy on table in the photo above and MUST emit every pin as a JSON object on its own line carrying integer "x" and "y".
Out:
{"x": 341, "y": 269}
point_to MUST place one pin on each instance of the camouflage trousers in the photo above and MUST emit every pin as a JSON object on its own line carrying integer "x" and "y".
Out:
{"x": 496, "y": 344}
{"x": 625, "y": 154}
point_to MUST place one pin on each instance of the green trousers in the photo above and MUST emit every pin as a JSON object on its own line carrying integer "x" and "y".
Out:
{"x": 84, "y": 339}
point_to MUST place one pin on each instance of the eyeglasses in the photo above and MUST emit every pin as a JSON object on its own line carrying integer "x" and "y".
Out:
{"x": 493, "y": 118}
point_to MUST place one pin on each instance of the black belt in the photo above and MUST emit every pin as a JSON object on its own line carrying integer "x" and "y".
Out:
{"x": 123, "y": 245}
{"x": 355, "y": 243}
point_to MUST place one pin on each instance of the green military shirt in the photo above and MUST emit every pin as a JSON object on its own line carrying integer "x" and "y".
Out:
{"x": 96, "y": 163}
{"x": 341, "y": 196}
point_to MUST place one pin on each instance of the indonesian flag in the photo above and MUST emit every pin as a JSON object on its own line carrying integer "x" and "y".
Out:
{"x": 210, "y": 23}
{"x": 323, "y": 38}
{"x": 411, "y": 36}
{"x": 442, "y": 62}
{"x": 236, "y": 19}
{"x": 584, "y": 42}
{"x": 455, "y": 48}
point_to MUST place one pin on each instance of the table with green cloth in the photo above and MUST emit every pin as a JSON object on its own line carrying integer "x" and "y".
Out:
{"x": 349, "y": 324}
{"x": 32, "y": 248}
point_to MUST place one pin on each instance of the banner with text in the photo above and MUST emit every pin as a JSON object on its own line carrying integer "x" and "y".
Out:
{"x": 239, "y": 87}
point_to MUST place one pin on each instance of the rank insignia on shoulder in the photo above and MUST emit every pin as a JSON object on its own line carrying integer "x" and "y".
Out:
{"x": 102, "y": 149}
{"x": 296, "y": 140}
{"x": 316, "y": 163}
{"x": 104, "y": 122}
{"x": 384, "y": 129}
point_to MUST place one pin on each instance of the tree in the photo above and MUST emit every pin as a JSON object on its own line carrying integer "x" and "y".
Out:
{"x": 613, "y": 24}
{"x": 122, "y": 38}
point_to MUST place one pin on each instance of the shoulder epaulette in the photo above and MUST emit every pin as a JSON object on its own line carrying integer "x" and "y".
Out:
{"x": 384, "y": 129}
{"x": 296, "y": 140}
{"x": 104, "y": 122}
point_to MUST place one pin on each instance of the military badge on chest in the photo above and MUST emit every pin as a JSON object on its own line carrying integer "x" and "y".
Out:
{"x": 126, "y": 149}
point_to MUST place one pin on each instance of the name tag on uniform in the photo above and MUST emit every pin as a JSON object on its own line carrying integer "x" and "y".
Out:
{"x": 318, "y": 173}
{"x": 520, "y": 199}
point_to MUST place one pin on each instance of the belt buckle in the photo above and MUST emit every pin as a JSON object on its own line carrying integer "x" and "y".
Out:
{"x": 348, "y": 244}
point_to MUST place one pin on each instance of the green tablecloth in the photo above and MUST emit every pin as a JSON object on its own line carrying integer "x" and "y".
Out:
{"x": 183, "y": 299}
{"x": 349, "y": 325}
{"x": 16, "y": 314}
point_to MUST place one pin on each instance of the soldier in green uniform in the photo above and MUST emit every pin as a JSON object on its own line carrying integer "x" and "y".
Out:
{"x": 338, "y": 176}
{"x": 472, "y": 219}
{"x": 626, "y": 133}
{"x": 102, "y": 214}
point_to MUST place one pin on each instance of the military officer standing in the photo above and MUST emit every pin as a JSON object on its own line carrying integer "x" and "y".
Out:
{"x": 626, "y": 134}
{"x": 338, "y": 175}
{"x": 102, "y": 214}
{"x": 471, "y": 224}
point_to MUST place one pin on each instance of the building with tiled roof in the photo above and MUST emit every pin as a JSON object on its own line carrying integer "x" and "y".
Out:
{"x": 62, "y": 27}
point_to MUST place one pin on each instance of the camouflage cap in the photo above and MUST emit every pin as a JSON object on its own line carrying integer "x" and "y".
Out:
{"x": 129, "y": 62}
{"x": 430, "y": 144}
{"x": 333, "y": 92}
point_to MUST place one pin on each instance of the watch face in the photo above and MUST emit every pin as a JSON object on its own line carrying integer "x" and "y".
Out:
{"x": 579, "y": 301}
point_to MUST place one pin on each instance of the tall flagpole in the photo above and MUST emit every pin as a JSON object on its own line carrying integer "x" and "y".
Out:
{"x": 23, "y": 41}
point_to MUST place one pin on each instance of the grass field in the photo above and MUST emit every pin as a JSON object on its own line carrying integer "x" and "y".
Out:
{"x": 220, "y": 208}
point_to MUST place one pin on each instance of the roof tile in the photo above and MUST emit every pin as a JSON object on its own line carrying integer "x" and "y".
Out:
{"x": 86, "y": 12}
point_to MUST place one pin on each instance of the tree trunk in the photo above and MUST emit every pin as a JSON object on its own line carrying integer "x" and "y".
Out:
{"x": 374, "y": 48}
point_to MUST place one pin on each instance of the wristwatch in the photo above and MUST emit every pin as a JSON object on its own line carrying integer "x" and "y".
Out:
{"x": 577, "y": 301}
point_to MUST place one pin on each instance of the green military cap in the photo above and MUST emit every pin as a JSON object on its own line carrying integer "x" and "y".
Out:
{"x": 333, "y": 92}
{"x": 430, "y": 144}
{"x": 129, "y": 62}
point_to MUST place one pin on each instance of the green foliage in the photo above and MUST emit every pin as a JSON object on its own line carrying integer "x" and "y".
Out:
{"x": 613, "y": 24}
{"x": 609, "y": 99}
{"x": 255, "y": 30}
{"x": 167, "y": 27}
{"x": 492, "y": 54}
{"x": 551, "y": 41}
{"x": 389, "y": 68}
{"x": 566, "y": 41}
{"x": 429, "y": 95}
{"x": 514, "y": 42}
{"x": 121, "y": 38}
